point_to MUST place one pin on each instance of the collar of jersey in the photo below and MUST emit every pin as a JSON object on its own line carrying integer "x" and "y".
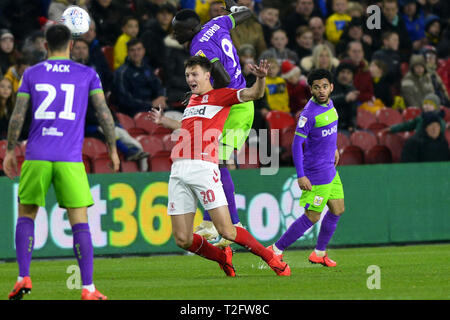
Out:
{"x": 316, "y": 102}
{"x": 58, "y": 58}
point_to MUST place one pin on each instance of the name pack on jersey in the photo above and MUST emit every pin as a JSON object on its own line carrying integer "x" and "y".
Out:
{"x": 56, "y": 67}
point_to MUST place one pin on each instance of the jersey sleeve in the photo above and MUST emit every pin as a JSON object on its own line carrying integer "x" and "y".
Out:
{"x": 305, "y": 123}
{"x": 228, "y": 97}
{"x": 24, "y": 85}
{"x": 95, "y": 85}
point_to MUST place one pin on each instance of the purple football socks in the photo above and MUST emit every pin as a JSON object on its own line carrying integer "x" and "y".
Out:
{"x": 84, "y": 251}
{"x": 294, "y": 232}
{"x": 24, "y": 244}
{"x": 329, "y": 224}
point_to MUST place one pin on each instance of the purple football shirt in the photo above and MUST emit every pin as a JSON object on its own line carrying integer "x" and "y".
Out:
{"x": 318, "y": 125}
{"x": 59, "y": 90}
{"x": 214, "y": 42}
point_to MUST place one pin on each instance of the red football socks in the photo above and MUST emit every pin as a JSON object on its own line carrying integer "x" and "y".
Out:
{"x": 245, "y": 239}
{"x": 202, "y": 247}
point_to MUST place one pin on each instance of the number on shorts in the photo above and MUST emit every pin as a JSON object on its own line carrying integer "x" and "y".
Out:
{"x": 208, "y": 196}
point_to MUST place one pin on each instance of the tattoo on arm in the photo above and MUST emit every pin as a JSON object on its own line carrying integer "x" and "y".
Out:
{"x": 17, "y": 120}
{"x": 105, "y": 118}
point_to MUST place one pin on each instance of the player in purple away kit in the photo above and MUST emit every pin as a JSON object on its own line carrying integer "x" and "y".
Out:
{"x": 213, "y": 41}
{"x": 316, "y": 169}
{"x": 58, "y": 90}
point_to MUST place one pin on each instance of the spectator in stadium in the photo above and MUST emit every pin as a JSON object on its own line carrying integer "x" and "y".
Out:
{"x": 430, "y": 55}
{"x": 279, "y": 49}
{"x": 429, "y": 144}
{"x": 249, "y": 31}
{"x": 362, "y": 78}
{"x": 441, "y": 8}
{"x": 269, "y": 17}
{"x": 416, "y": 83}
{"x": 136, "y": 87}
{"x": 391, "y": 22}
{"x": 130, "y": 30}
{"x": 57, "y": 7}
{"x": 415, "y": 23}
{"x": 321, "y": 58}
{"x": 8, "y": 53}
{"x": 355, "y": 10}
{"x": 304, "y": 10}
{"x": 431, "y": 104}
{"x": 381, "y": 85}
{"x": 433, "y": 30}
{"x": 276, "y": 88}
{"x": 297, "y": 86}
{"x": 146, "y": 9}
{"x": 335, "y": 24}
{"x": 317, "y": 26}
{"x": 154, "y": 31}
{"x": 389, "y": 53}
{"x": 353, "y": 32}
{"x": 174, "y": 71}
{"x": 34, "y": 46}
{"x": 80, "y": 53}
{"x": 107, "y": 16}
{"x": 345, "y": 96}
{"x": 304, "y": 42}
{"x": 21, "y": 17}
{"x": 7, "y": 101}
{"x": 15, "y": 72}
{"x": 216, "y": 9}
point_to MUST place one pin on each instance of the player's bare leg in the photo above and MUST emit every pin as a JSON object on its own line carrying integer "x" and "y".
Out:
{"x": 327, "y": 228}
{"x": 24, "y": 240}
{"x": 222, "y": 221}
{"x": 182, "y": 229}
{"x": 84, "y": 252}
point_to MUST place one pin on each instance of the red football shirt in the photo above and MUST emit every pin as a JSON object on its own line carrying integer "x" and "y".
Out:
{"x": 202, "y": 124}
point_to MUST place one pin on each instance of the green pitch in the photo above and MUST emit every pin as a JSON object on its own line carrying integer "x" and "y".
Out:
{"x": 405, "y": 272}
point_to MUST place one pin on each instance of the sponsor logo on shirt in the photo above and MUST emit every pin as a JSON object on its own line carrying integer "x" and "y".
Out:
{"x": 52, "y": 131}
{"x": 200, "y": 53}
{"x": 209, "y": 33}
{"x": 202, "y": 111}
{"x": 329, "y": 132}
{"x": 57, "y": 67}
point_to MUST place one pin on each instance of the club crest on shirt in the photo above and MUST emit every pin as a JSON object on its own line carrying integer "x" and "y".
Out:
{"x": 302, "y": 121}
{"x": 205, "y": 98}
{"x": 200, "y": 53}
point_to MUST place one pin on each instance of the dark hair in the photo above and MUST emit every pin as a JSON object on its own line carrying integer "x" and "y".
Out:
{"x": 186, "y": 14}
{"x": 128, "y": 18}
{"x": 81, "y": 40}
{"x": 318, "y": 74}
{"x": 386, "y": 35}
{"x": 201, "y": 61}
{"x": 58, "y": 37}
{"x": 133, "y": 42}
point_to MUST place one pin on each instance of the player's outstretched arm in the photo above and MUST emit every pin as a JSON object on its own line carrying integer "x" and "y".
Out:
{"x": 157, "y": 116}
{"x": 106, "y": 122}
{"x": 14, "y": 129}
{"x": 257, "y": 90}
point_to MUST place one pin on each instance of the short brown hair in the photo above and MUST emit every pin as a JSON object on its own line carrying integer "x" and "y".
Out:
{"x": 201, "y": 61}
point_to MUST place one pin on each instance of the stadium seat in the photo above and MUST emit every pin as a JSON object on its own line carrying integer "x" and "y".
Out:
{"x": 125, "y": 120}
{"x": 376, "y": 127}
{"x": 160, "y": 161}
{"x": 168, "y": 142}
{"x": 378, "y": 154}
{"x": 151, "y": 144}
{"x": 411, "y": 113}
{"x": 351, "y": 155}
{"x": 94, "y": 148}
{"x": 108, "y": 52}
{"x": 279, "y": 119}
{"x": 342, "y": 140}
{"x": 248, "y": 157}
{"x": 141, "y": 120}
{"x": 129, "y": 166}
{"x": 404, "y": 67}
{"x": 364, "y": 118}
{"x": 394, "y": 142}
{"x": 161, "y": 131}
{"x": 389, "y": 116}
{"x": 363, "y": 139}
{"x": 101, "y": 164}
{"x": 287, "y": 136}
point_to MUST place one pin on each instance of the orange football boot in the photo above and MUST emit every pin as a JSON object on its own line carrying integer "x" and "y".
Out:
{"x": 20, "y": 288}
{"x": 281, "y": 268}
{"x": 325, "y": 261}
{"x": 280, "y": 256}
{"x": 96, "y": 295}
{"x": 228, "y": 266}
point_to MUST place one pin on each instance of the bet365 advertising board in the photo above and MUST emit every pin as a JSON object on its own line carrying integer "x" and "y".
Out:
{"x": 385, "y": 204}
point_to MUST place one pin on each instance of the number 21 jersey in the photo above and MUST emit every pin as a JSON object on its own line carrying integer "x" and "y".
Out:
{"x": 59, "y": 90}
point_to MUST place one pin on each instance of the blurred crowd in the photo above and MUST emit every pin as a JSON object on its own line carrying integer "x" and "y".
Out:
{"x": 403, "y": 65}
